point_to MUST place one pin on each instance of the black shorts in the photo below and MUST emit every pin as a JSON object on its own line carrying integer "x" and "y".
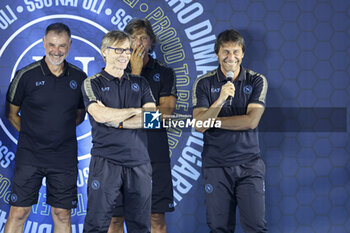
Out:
{"x": 61, "y": 186}
{"x": 107, "y": 181}
{"x": 162, "y": 191}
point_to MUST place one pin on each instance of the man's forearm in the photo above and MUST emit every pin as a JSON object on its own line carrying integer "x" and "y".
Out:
{"x": 134, "y": 122}
{"x": 243, "y": 122}
{"x": 212, "y": 112}
{"x": 113, "y": 116}
{"x": 16, "y": 122}
{"x": 167, "y": 106}
{"x": 11, "y": 112}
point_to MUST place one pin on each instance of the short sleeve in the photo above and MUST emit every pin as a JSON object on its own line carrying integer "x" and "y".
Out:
{"x": 168, "y": 84}
{"x": 90, "y": 92}
{"x": 259, "y": 90}
{"x": 200, "y": 96}
{"x": 81, "y": 100}
{"x": 16, "y": 90}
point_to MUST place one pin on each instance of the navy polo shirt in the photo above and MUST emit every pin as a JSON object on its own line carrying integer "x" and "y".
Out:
{"x": 160, "y": 77}
{"x": 127, "y": 147}
{"x": 48, "y": 108}
{"x": 162, "y": 81}
{"x": 226, "y": 147}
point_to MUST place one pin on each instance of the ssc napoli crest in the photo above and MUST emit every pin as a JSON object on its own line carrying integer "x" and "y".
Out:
{"x": 73, "y": 84}
{"x": 156, "y": 77}
{"x": 135, "y": 87}
{"x": 95, "y": 184}
{"x": 247, "y": 89}
{"x": 13, "y": 197}
{"x": 209, "y": 188}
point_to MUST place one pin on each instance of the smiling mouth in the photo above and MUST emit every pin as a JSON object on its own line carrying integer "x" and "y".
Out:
{"x": 56, "y": 56}
{"x": 231, "y": 62}
{"x": 122, "y": 60}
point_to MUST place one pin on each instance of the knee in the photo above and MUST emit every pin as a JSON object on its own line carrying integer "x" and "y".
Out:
{"x": 117, "y": 220}
{"x": 158, "y": 221}
{"x": 19, "y": 214}
{"x": 61, "y": 215}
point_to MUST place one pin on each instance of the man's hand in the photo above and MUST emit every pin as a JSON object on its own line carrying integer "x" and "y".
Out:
{"x": 136, "y": 60}
{"x": 226, "y": 90}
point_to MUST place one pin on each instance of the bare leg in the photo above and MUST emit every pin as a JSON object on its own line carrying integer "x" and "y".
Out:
{"x": 61, "y": 220}
{"x": 158, "y": 224}
{"x": 117, "y": 225}
{"x": 17, "y": 218}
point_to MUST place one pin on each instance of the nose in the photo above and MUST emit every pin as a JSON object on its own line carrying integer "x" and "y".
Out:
{"x": 56, "y": 49}
{"x": 137, "y": 41}
{"x": 230, "y": 54}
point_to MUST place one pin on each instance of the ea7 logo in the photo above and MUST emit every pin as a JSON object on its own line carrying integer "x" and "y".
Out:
{"x": 39, "y": 83}
{"x": 213, "y": 90}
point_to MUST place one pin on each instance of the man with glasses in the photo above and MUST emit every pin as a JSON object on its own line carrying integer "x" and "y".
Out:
{"x": 120, "y": 162}
{"x": 47, "y": 95}
{"x": 162, "y": 81}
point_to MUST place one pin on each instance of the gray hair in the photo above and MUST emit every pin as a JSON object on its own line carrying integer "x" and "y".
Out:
{"x": 113, "y": 36}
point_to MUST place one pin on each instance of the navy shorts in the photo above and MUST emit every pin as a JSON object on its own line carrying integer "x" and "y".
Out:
{"x": 61, "y": 186}
{"x": 107, "y": 181}
{"x": 162, "y": 191}
{"x": 229, "y": 187}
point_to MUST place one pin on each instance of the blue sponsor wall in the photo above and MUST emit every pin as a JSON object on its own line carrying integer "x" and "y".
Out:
{"x": 302, "y": 47}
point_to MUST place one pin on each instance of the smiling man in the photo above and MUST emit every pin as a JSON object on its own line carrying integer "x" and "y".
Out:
{"x": 47, "y": 95}
{"x": 233, "y": 170}
{"x": 162, "y": 81}
{"x": 120, "y": 164}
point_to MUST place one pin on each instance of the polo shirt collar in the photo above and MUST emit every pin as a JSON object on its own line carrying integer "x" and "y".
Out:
{"x": 222, "y": 78}
{"x": 46, "y": 71}
{"x": 111, "y": 77}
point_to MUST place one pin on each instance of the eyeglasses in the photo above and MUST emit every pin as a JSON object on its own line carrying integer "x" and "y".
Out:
{"x": 120, "y": 50}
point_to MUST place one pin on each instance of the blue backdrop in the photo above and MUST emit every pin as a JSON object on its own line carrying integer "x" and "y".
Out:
{"x": 301, "y": 46}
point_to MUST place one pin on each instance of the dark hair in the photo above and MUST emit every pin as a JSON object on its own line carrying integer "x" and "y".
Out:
{"x": 137, "y": 24}
{"x": 113, "y": 36}
{"x": 229, "y": 36}
{"x": 58, "y": 28}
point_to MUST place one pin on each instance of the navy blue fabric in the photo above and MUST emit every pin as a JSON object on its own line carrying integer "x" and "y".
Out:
{"x": 48, "y": 107}
{"x": 162, "y": 81}
{"x": 226, "y": 147}
{"x": 61, "y": 186}
{"x": 229, "y": 187}
{"x": 162, "y": 191}
{"x": 107, "y": 182}
{"x": 127, "y": 147}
